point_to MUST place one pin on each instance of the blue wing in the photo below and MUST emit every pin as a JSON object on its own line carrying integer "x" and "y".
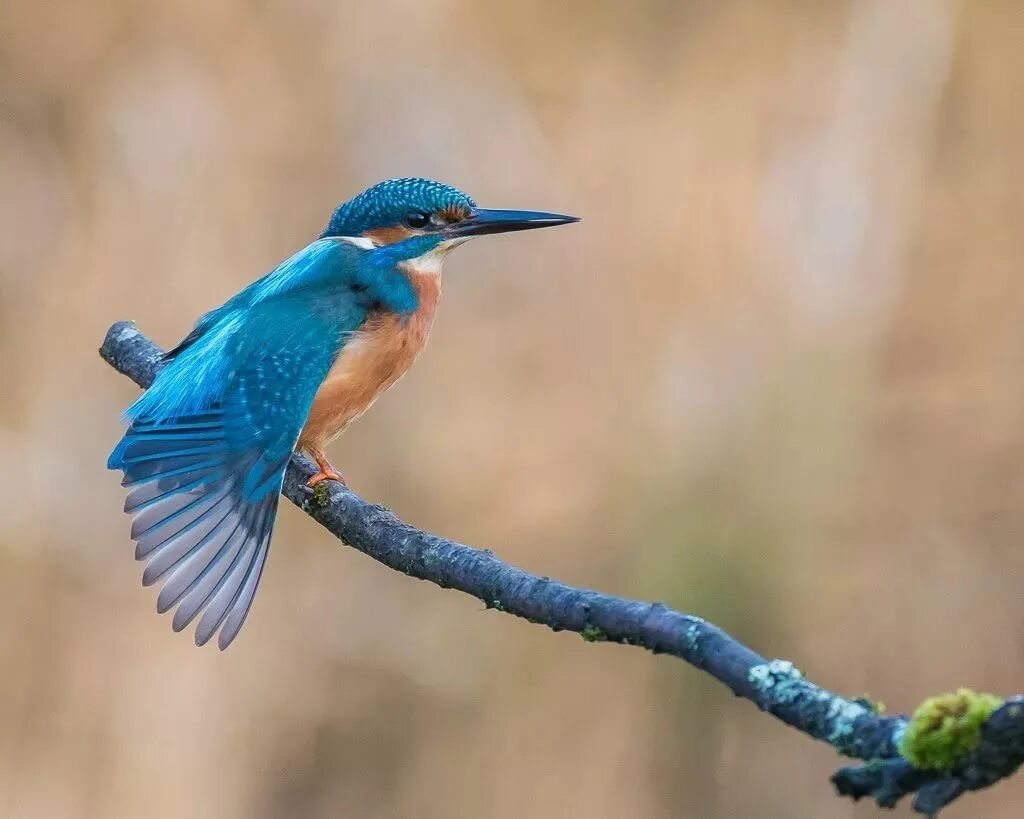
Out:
{"x": 205, "y": 455}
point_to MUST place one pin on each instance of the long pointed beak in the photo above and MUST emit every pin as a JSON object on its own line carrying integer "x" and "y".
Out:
{"x": 482, "y": 221}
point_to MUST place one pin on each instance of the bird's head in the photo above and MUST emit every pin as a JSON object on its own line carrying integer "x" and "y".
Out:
{"x": 426, "y": 219}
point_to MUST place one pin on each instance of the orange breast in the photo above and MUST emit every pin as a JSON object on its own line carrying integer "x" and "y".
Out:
{"x": 381, "y": 353}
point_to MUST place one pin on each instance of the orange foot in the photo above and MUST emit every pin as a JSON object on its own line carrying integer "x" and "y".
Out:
{"x": 326, "y": 473}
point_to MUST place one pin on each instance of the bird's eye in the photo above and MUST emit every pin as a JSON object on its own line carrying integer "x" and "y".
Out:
{"x": 416, "y": 219}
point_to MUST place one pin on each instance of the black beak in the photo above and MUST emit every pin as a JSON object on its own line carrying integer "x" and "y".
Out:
{"x": 482, "y": 221}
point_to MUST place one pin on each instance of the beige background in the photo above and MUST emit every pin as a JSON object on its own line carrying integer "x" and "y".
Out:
{"x": 775, "y": 378}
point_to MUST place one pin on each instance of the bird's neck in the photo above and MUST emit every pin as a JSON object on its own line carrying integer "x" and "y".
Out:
{"x": 429, "y": 264}
{"x": 426, "y": 281}
{"x": 420, "y": 258}
{"x": 423, "y": 257}
{"x": 424, "y": 274}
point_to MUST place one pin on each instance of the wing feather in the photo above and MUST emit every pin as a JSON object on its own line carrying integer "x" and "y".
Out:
{"x": 208, "y": 444}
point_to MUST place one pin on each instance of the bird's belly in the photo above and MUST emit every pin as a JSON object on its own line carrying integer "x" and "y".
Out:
{"x": 367, "y": 365}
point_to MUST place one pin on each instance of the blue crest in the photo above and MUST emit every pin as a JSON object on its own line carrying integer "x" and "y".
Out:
{"x": 386, "y": 203}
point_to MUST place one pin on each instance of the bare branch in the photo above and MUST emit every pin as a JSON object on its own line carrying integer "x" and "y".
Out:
{"x": 851, "y": 727}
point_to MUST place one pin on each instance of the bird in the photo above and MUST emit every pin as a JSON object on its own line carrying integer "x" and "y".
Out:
{"x": 284, "y": 365}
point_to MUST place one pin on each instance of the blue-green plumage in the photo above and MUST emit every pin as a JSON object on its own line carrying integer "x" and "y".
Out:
{"x": 208, "y": 443}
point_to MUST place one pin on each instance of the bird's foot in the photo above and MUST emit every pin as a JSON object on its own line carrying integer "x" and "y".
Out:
{"x": 326, "y": 475}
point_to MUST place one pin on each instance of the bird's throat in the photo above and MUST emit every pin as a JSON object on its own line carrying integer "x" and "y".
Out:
{"x": 431, "y": 262}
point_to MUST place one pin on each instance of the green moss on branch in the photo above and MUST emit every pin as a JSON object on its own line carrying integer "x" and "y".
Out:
{"x": 945, "y": 728}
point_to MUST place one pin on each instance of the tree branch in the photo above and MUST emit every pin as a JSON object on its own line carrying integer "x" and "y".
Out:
{"x": 851, "y": 727}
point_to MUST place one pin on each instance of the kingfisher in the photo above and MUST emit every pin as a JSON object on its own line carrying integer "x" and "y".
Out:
{"x": 285, "y": 365}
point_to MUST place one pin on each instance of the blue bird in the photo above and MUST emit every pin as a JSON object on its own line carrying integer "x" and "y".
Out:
{"x": 284, "y": 365}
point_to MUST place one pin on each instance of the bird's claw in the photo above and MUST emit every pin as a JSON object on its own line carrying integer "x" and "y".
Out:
{"x": 326, "y": 475}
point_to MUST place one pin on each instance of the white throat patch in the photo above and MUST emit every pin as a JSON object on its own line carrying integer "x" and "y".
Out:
{"x": 432, "y": 261}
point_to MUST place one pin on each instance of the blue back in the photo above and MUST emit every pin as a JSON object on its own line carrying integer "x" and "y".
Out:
{"x": 327, "y": 287}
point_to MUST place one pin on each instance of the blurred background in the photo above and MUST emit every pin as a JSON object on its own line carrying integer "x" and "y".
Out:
{"x": 775, "y": 378}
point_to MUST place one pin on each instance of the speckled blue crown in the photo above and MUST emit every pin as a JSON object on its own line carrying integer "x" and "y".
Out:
{"x": 386, "y": 203}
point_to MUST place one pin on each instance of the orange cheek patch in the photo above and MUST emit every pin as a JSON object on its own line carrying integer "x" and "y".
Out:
{"x": 453, "y": 213}
{"x": 389, "y": 235}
